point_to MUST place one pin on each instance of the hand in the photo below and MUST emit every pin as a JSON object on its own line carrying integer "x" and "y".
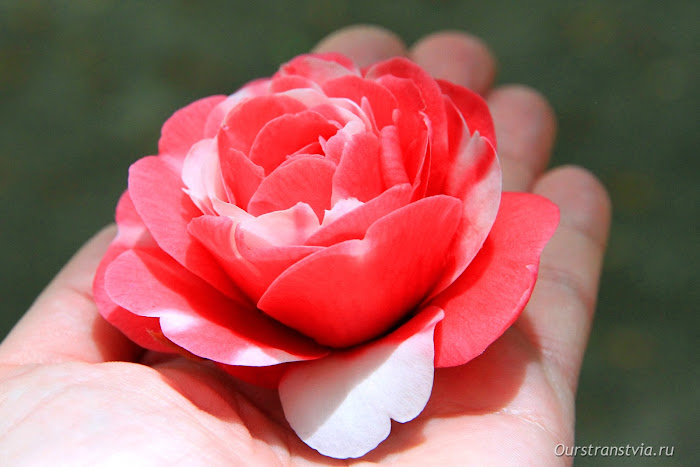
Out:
{"x": 73, "y": 390}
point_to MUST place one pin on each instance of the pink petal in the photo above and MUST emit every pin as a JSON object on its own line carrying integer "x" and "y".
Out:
{"x": 197, "y": 318}
{"x": 494, "y": 289}
{"x": 456, "y": 128}
{"x": 245, "y": 121}
{"x": 356, "y": 290}
{"x": 217, "y": 234}
{"x": 354, "y": 224}
{"x": 410, "y": 121}
{"x": 273, "y": 242}
{"x": 186, "y": 127}
{"x": 255, "y": 88}
{"x": 380, "y": 100}
{"x": 422, "y": 145}
{"x": 165, "y": 208}
{"x": 434, "y": 108}
{"x": 475, "y": 178}
{"x": 334, "y": 146}
{"x": 241, "y": 177}
{"x": 285, "y": 83}
{"x": 391, "y": 158}
{"x": 473, "y": 108}
{"x": 132, "y": 233}
{"x": 286, "y": 134}
{"x": 305, "y": 179}
{"x": 358, "y": 174}
{"x": 319, "y": 68}
{"x": 342, "y": 405}
{"x": 254, "y": 256}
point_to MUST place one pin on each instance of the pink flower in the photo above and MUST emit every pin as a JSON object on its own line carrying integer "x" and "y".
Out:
{"x": 334, "y": 232}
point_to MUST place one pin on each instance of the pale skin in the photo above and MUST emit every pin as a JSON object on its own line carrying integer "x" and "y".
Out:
{"x": 75, "y": 391}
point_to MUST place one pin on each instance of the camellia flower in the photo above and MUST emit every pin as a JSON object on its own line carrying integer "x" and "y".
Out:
{"x": 332, "y": 232}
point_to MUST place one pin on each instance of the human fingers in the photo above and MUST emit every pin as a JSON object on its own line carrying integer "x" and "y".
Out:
{"x": 525, "y": 130}
{"x": 457, "y": 57}
{"x": 364, "y": 44}
{"x": 63, "y": 324}
{"x": 559, "y": 315}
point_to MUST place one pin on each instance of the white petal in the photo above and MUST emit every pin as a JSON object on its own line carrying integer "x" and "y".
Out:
{"x": 342, "y": 405}
{"x": 201, "y": 174}
{"x": 339, "y": 209}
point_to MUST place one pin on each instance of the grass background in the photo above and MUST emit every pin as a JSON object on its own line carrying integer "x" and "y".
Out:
{"x": 85, "y": 86}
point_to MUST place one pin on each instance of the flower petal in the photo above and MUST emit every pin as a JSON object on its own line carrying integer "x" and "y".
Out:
{"x": 241, "y": 177}
{"x": 304, "y": 179}
{"x": 285, "y": 135}
{"x": 354, "y": 224}
{"x": 197, "y": 318}
{"x": 166, "y": 211}
{"x": 358, "y": 289}
{"x": 201, "y": 174}
{"x": 380, "y": 100}
{"x": 273, "y": 242}
{"x": 279, "y": 228}
{"x": 319, "y": 67}
{"x": 358, "y": 174}
{"x": 186, "y": 127}
{"x": 255, "y": 88}
{"x": 251, "y": 251}
{"x": 342, "y": 405}
{"x": 132, "y": 233}
{"x": 473, "y": 108}
{"x": 475, "y": 179}
{"x": 391, "y": 158}
{"x": 244, "y": 122}
{"x": 434, "y": 108}
{"x": 217, "y": 234}
{"x": 491, "y": 293}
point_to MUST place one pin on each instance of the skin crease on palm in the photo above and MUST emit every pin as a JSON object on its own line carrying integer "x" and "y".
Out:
{"x": 74, "y": 391}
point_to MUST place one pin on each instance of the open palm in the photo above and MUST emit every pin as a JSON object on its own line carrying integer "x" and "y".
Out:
{"x": 74, "y": 391}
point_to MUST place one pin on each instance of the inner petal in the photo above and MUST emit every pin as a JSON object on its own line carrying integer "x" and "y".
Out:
{"x": 303, "y": 179}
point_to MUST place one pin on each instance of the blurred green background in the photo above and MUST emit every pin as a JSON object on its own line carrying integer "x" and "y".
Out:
{"x": 85, "y": 86}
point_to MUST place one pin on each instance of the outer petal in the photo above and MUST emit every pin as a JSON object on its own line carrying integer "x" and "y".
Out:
{"x": 132, "y": 234}
{"x": 494, "y": 289}
{"x": 199, "y": 319}
{"x": 167, "y": 211}
{"x": 342, "y": 405}
{"x": 186, "y": 127}
{"x": 476, "y": 180}
{"x": 356, "y": 290}
{"x": 473, "y": 108}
